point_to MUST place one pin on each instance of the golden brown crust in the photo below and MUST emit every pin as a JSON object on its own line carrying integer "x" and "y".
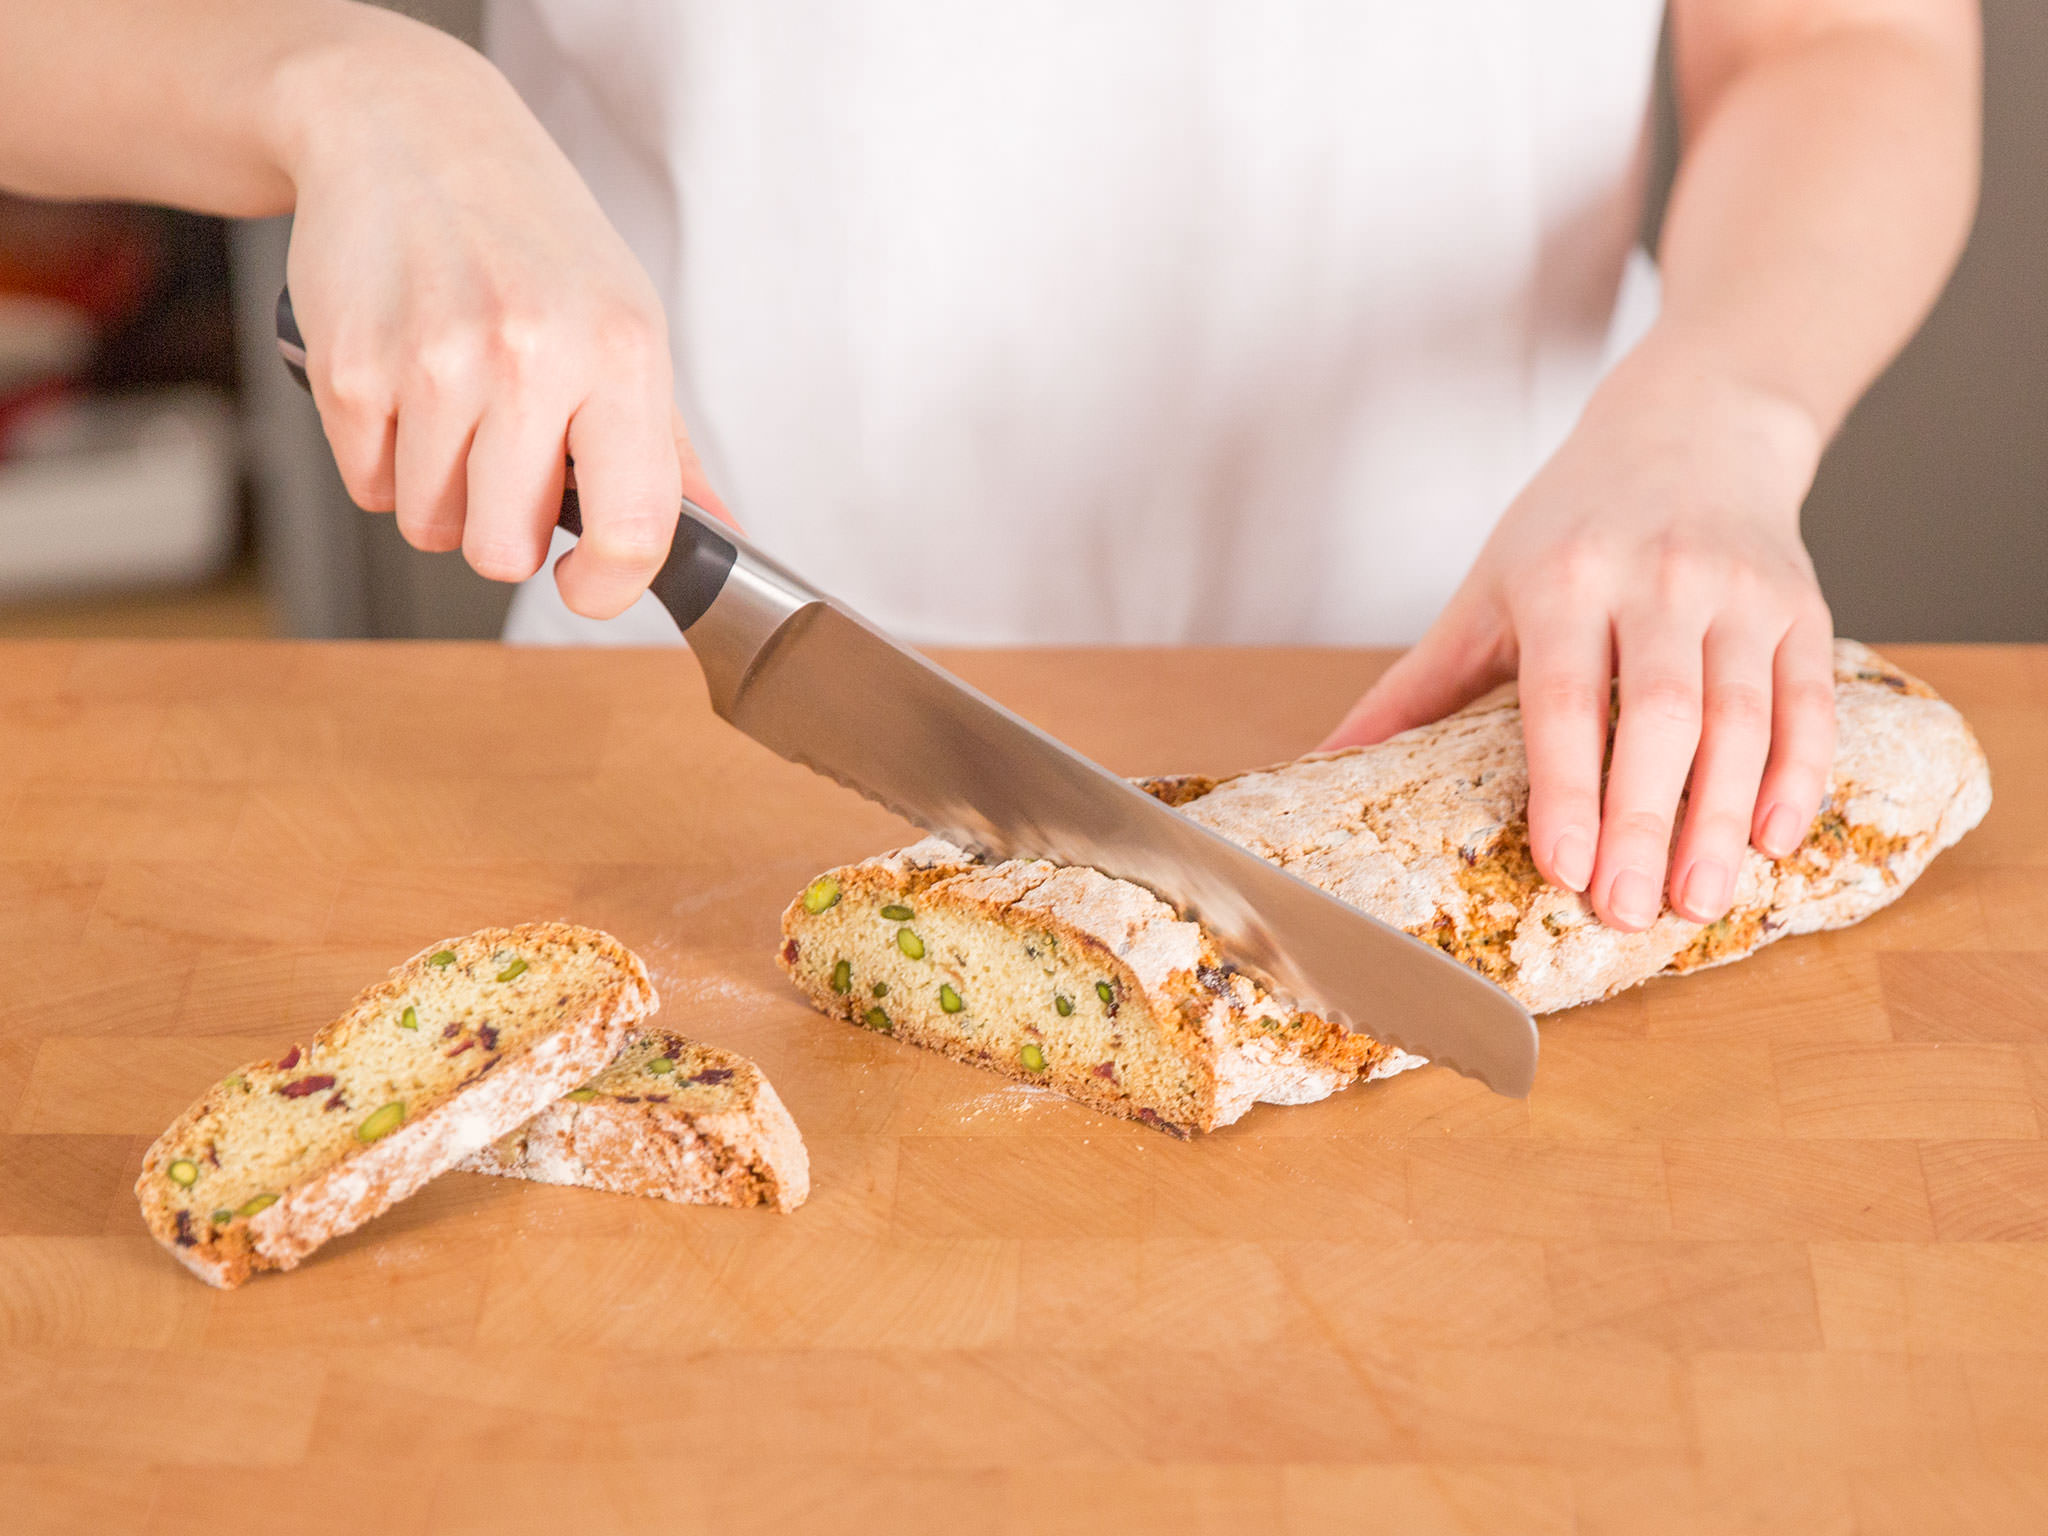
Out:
{"x": 412, "y": 1099}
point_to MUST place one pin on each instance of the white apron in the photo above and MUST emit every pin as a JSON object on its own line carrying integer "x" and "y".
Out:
{"x": 1111, "y": 320}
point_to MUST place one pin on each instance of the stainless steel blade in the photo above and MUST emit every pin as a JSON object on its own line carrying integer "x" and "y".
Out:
{"x": 839, "y": 696}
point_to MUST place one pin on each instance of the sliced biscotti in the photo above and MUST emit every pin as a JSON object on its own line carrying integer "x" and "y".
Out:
{"x": 462, "y": 1043}
{"x": 1062, "y": 977}
{"x": 1095, "y": 987}
{"x": 671, "y": 1118}
{"x": 1429, "y": 831}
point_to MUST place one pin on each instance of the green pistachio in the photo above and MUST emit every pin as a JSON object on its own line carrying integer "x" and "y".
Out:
{"x": 878, "y": 1020}
{"x": 382, "y": 1122}
{"x": 1033, "y": 1058}
{"x": 897, "y": 913}
{"x": 222, "y": 1217}
{"x": 949, "y": 999}
{"x": 513, "y": 971}
{"x": 821, "y": 894}
{"x": 880, "y": 989}
{"x": 910, "y": 943}
{"x": 842, "y": 976}
{"x": 236, "y": 1081}
{"x": 441, "y": 957}
{"x": 582, "y": 1095}
{"x": 410, "y": 1019}
{"x": 661, "y": 1066}
{"x": 255, "y": 1203}
{"x": 1062, "y": 1004}
{"x": 1106, "y": 992}
{"x": 183, "y": 1172}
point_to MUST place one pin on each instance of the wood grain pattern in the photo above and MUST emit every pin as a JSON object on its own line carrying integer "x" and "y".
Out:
{"x": 1766, "y": 1251}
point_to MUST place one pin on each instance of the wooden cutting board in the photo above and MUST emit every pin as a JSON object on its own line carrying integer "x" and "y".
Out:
{"x": 1767, "y": 1249}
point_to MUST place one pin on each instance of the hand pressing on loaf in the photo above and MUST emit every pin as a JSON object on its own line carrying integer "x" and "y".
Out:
{"x": 1659, "y": 547}
{"x": 470, "y": 315}
{"x": 1826, "y": 180}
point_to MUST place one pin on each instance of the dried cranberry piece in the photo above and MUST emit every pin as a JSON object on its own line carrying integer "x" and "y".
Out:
{"x": 306, "y": 1085}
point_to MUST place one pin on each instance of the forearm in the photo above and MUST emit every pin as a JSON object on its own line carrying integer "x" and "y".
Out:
{"x": 1825, "y": 190}
{"x": 202, "y": 104}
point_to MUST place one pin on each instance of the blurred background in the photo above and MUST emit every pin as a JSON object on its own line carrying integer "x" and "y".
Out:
{"x": 161, "y": 475}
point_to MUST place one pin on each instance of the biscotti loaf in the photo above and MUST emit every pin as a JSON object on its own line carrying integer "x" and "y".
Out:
{"x": 1094, "y": 987}
{"x": 670, "y": 1118}
{"x": 466, "y": 1040}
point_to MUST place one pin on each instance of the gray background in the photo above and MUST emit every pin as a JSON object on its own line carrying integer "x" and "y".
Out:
{"x": 1929, "y": 520}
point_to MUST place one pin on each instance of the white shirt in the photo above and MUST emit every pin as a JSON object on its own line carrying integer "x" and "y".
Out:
{"x": 1112, "y": 320}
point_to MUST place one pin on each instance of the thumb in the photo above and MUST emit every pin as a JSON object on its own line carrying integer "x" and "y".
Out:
{"x": 1464, "y": 653}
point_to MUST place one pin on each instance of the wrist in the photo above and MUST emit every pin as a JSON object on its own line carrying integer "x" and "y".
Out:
{"x": 349, "y": 68}
{"x": 1675, "y": 385}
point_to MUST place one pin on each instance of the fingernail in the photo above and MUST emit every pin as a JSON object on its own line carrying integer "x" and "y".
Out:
{"x": 1572, "y": 858}
{"x": 1633, "y": 898}
{"x": 1706, "y": 892}
{"x": 1781, "y": 831}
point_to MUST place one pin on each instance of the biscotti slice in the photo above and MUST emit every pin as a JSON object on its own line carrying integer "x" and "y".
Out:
{"x": 466, "y": 1040}
{"x": 671, "y": 1118}
{"x": 1427, "y": 831}
{"x": 1061, "y": 977}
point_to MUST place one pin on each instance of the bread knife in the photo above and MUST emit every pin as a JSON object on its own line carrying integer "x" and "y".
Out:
{"x": 808, "y": 678}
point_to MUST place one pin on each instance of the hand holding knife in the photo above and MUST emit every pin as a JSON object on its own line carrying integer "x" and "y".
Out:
{"x": 815, "y": 683}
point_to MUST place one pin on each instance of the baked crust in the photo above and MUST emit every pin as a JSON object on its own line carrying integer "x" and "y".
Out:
{"x": 670, "y": 1118}
{"x": 1429, "y": 832}
{"x": 253, "y": 1177}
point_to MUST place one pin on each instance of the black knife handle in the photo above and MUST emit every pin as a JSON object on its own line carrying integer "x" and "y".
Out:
{"x": 699, "y": 560}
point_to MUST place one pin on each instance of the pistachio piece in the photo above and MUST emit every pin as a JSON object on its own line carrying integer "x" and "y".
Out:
{"x": 183, "y": 1172}
{"x": 382, "y": 1122}
{"x": 878, "y": 1020}
{"x": 235, "y": 1081}
{"x": 1062, "y": 1004}
{"x": 1106, "y": 992}
{"x": 222, "y": 1217}
{"x": 910, "y": 943}
{"x": 513, "y": 971}
{"x": 410, "y": 1019}
{"x": 581, "y": 1095}
{"x": 949, "y": 999}
{"x": 1033, "y": 1058}
{"x": 255, "y": 1203}
{"x": 820, "y": 895}
{"x": 661, "y": 1066}
{"x": 896, "y": 912}
{"x": 880, "y": 989}
{"x": 441, "y": 957}
{"x": 842, "y": 976}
